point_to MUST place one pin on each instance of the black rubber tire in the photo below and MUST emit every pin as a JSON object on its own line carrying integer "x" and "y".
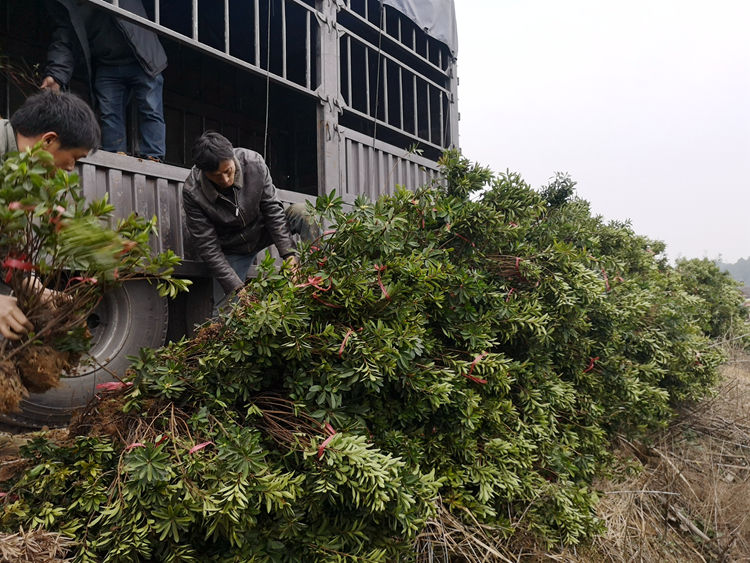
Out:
{"x": 130, "y": 317}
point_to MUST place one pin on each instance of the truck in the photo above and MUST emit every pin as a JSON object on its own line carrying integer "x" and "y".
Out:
{"x": 355, "y": 96}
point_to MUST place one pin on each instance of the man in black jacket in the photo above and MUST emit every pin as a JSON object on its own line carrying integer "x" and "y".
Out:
{"x": 232, "y": 212}
{"x": 121, "y": 59}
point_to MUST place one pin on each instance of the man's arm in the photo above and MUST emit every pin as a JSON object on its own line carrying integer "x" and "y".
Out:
{"x": 60, "y": 56}
{"x": 206, "y": 241}
{"x": 13, "y": 323}
{"x": 274, "y": 217}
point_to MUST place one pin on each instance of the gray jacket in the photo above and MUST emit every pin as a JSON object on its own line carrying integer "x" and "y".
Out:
{"x": 241, "y": 220}
{"x": 69, "y": 36}
{"x": 7, "y": 138}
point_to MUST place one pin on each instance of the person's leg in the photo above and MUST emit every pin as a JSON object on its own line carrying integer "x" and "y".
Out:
{"x": 240, "y": 263}
{"x": 148, "y": 95}
{"x": 111, "y": 92}
{"x": 301, "y": 222}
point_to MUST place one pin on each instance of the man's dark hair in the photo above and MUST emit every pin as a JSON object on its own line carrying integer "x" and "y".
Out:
{"x": 64, "y": 113}
{"x": 210, "y": 150}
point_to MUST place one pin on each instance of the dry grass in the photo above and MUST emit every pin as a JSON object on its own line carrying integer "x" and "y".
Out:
{"x": 34, "y": 546}
{"x": 691, "y": 499}
{"x": 684, "y": 498}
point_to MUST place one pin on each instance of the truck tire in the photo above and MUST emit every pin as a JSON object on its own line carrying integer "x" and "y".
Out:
{"x": 130, "y": 317}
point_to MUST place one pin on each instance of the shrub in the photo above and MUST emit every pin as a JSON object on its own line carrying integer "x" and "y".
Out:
{"x": 431, "y": 349}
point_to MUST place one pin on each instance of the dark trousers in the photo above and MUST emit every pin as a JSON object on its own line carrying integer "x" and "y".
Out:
{"x": 113, "y": 87}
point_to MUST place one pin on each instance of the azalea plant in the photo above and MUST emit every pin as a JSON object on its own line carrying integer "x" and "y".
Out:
{"x": 58, "y": 254}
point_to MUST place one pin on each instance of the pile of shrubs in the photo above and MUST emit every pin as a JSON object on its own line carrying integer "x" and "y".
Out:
{"x": 471, "y": 347}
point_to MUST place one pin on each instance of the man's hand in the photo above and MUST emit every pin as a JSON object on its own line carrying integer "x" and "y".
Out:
{"x": 293, "y": 262}
{"x": 53, "y": 299}
{"x": 50, "y": 83}
{"x": 13, "y": 323}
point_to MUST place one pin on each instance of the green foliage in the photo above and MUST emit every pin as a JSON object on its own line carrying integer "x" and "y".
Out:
{"x": 431, "y": 348}
{"x": 725, "y": 314}
{"x": 59, "y": 253}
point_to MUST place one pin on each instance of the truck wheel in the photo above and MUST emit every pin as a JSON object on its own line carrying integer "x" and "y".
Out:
{"x": 130, "y": 317}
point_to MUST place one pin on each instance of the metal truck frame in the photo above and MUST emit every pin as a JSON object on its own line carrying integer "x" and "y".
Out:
{"x": 345, "y": 95}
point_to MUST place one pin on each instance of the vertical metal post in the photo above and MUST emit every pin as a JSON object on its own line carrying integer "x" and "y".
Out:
{"x": 226, "y": 26}
{"x": 195, "y": 20}
{"x": 257, "y": 34}
{"x": 308, "y": 53}
{"x": 401, "y": 97}
{"x": 453, "y": 115}
{"x": 416, "y": 115}
{"x": 330, "y": 142}
{"x": 349, "y": 71}
{"x": 367, "y": 79}
{"x": 442, "y": 121}
{"x": 283, "y": 38}
{"x": 157, "y": 11}
{"x": 385, "y": 91}
{"x": 429, "y": 112}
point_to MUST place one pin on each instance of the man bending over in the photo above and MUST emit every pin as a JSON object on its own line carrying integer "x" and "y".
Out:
{"x": 232, "y": 212}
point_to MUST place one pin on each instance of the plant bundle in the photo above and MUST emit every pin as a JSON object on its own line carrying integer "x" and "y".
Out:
{"x": 58, "y": 255}
{"x": 434, "y": 354}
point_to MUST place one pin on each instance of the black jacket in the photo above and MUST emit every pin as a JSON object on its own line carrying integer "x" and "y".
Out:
{"x": 240, "y": 220}
{"x": 69, "y": 37}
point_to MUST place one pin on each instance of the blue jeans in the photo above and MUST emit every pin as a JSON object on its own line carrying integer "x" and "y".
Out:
{"x": 240, "y": 263}
{"x": 113, "y": 86}
{"x": 299, "y": 222}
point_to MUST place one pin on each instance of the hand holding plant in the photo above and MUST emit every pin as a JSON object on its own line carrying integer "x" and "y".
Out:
{"x": 59, "y": 254}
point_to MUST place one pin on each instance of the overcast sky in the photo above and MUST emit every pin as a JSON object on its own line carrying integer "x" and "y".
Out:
{"x": 645, "y": 103}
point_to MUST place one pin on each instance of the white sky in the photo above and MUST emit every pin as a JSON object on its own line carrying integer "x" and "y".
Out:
{"x": 646, "y": 103}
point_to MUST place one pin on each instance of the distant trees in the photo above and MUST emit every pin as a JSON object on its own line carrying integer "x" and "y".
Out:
{"x": 740, "y": 270}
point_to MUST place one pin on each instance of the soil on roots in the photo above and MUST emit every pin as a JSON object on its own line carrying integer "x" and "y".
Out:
{"x": 12, "y": 389}
{"x": 40, "y": 367}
